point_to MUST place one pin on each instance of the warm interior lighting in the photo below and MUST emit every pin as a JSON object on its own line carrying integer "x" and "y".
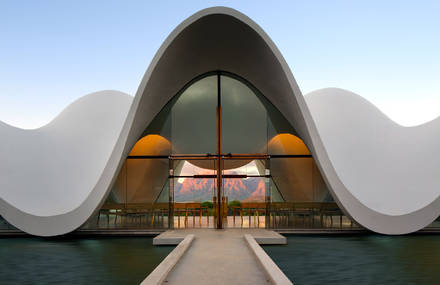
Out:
{"x": 286, "y": 143}
{"x": 151, "y": 145}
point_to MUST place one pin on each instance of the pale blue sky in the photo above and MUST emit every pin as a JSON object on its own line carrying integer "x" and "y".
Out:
{"x": 52, "y": 52}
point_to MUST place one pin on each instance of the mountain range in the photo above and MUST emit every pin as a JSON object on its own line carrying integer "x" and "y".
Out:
{"x": 251, "y": 189}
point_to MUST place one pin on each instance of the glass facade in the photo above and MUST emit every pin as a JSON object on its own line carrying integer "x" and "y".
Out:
{"x": 244, "y": 119}
{"x": 219, "y": 150}
{"x": 139, "y": 198}
{"x": 193, "y": 118}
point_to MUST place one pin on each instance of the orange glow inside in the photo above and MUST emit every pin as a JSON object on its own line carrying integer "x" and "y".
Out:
{"x": 286, "y": 143}
{"x": 151, "y": 145}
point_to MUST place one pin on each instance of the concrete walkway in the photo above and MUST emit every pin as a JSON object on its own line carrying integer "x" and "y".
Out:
{"x": 219, "y": 257}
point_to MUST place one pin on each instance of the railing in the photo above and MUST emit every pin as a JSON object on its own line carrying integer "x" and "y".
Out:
{"x": 307, "y": 215}
{"x": 130, "y": 216}
{"x": 188, "y": 210}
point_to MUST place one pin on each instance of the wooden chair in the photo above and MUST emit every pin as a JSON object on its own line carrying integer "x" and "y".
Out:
{"x": 159, "y": 210}
{"x": 283, "y": 214}
{"x": 329, "y": 210}
{"x": 279, "y": 212}
{"x": 254, "y": 208}
{"x": 134, "y": 212}
{"x": 234, "y": 210}
{"x": 194, "y": 208}
{"x": 109, "y": 210}
{"x": 304, "y": 210}
{"x": 178, "y": 209}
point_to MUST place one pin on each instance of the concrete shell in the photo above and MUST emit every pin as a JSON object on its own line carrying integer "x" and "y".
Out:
{"x": 383, "y": 175}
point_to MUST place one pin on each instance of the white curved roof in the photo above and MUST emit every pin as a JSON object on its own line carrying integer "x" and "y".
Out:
{"x": 383, "y": 175}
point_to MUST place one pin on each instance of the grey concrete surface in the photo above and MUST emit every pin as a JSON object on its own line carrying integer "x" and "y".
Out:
{"x": 218, "y": 257}
{"x": 262, "y": 236}
{"x": 275, "y": 274}
{"x": 161, "y": 271}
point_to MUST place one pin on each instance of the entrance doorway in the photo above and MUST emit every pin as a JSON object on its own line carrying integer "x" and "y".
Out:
{"x": 234, "y": 175}
{"x": 203, "y": 161}
{"x": 235, "y": 196}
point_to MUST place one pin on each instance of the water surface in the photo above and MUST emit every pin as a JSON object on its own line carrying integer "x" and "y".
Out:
{"x": 365, "y": 259}
{"x": 78, "y": 260}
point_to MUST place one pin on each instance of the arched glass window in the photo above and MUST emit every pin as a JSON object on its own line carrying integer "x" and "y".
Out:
{"x": 248, "y": 120}
{"x": 193, "y": 118}
{"x": 218, "y": 139}
{"x": 244, "y": 118}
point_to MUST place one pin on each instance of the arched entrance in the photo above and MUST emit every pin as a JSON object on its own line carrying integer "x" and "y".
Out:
{"x": 229, "y": 124}
{"x": 219, "y": 154}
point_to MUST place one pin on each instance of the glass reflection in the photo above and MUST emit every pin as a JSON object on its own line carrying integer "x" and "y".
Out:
{"x": 139, "y": 198}
{"x": 244, "y": 118}
{"x": 279, "y": 187}
{"x": 193, "y": 129}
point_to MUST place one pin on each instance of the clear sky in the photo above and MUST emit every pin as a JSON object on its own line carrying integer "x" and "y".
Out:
{"x": 52, "y": 52}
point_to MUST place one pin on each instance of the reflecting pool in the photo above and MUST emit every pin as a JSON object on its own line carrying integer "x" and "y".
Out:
{"x": 78, "y": 260}
{"x": 365, "y": 259}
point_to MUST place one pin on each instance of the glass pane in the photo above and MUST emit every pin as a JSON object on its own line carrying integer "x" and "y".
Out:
{"x": 161, "y": 127}
{"x": 139, "y": 198}
{"x": 251, "y": 189}
{"x": 244, "y": 121}
{"x": 190, "y": 188}
{"x": 193, "y": 167}
{"x": 276, "y": 123}
{"x": 145, "y": 179}
{"x": 118, "y": 194}
{"x": 245, "y": 201}
{"x": 151, "y": 144}
{"x": 194, "y": 202}
{"x": 275, "y": 194}
{"x": 194, "y": 118}
{"x": 244, "y": 167}
{"x": 294, "y": 178}
{"x": 300, "y": 198}
{"x": 287, "y": 144}
{"x": 194, "y": 189}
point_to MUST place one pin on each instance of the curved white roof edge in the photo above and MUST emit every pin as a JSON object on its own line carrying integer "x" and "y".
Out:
{"x": 361, "y": 159}
{"x": 70, "y": 105}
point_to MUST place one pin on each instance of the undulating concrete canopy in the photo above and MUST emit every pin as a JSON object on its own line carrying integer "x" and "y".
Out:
{"x": 384, "y": 176}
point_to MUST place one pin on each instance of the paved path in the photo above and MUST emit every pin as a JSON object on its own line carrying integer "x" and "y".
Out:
{"x": 218, "y": 257}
